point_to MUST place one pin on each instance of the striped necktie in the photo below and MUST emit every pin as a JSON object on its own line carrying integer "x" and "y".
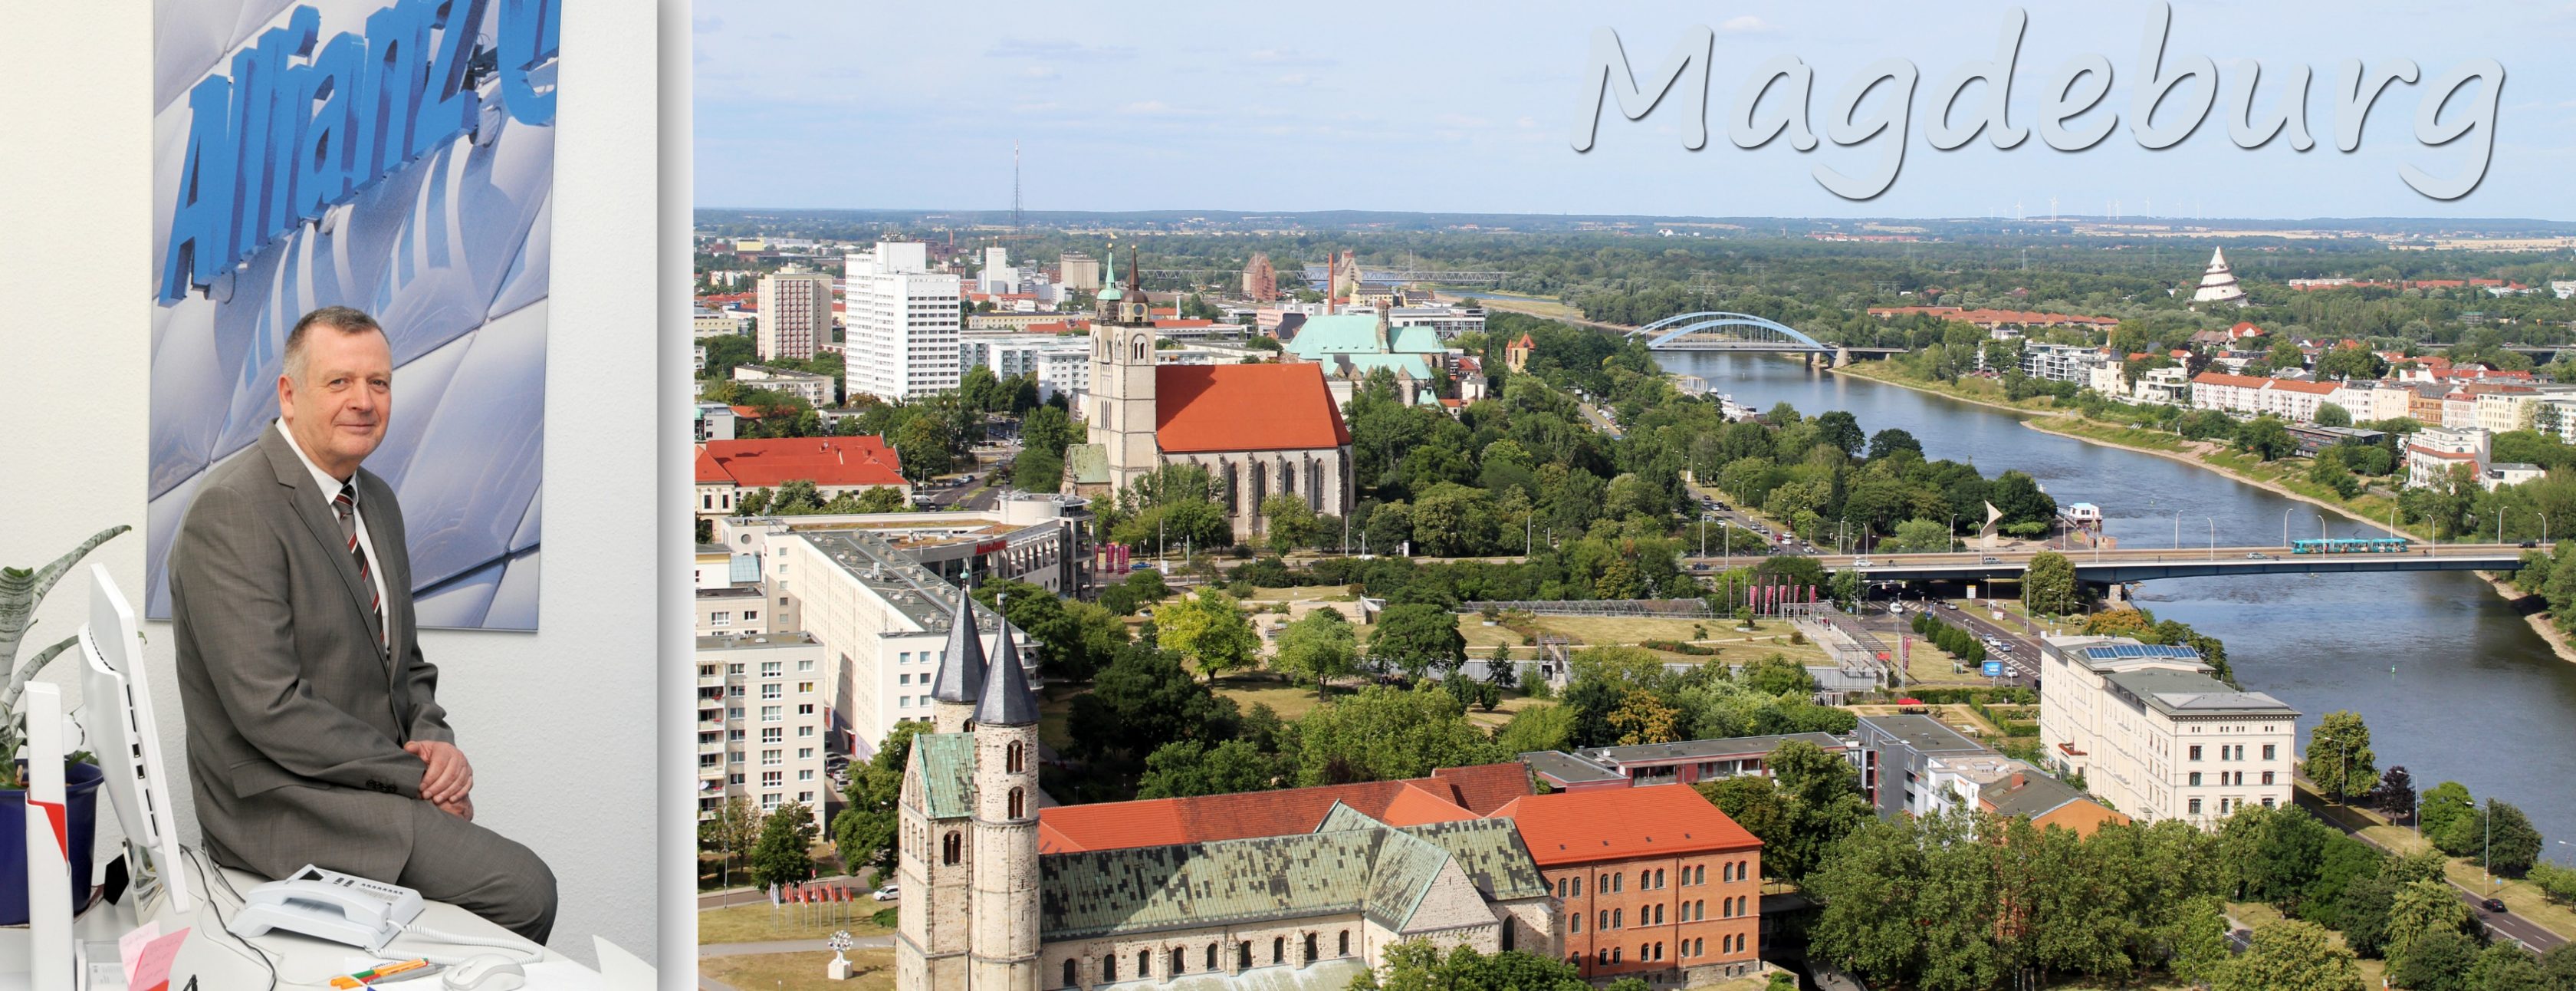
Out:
{"x": 345, "y": 506}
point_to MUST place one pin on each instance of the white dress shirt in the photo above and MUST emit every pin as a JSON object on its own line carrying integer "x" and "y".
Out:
{"x": 330, "y": 489}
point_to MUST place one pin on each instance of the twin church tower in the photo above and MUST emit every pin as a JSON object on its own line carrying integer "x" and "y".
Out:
{"x": 968, "y": 834}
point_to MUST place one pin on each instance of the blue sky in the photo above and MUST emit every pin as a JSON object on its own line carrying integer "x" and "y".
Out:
{"x": 1336, "y": 105}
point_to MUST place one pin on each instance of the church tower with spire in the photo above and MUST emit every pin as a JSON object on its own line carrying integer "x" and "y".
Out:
{"x": 959, "y": 682}
{"x": 1121, "y": 410}
{"x": 1003, "y": 948}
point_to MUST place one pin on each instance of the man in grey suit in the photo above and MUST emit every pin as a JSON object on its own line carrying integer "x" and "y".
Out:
{"x": 314, "y": 730}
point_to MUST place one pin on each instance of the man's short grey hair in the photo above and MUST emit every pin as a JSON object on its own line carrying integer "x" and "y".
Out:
{"x": 347, "y": 320}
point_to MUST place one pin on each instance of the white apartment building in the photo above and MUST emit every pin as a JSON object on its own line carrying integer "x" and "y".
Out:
{"x": 1060, "y": 364}
{"x": 2369, "y": 401}
{"x": 2156, "y": 737}
{"x": 2517, "y": 408}
{"x": 878, "y": 590}
{"x": 2294, "y": 400}
{"x": 2164, "y": 386}
{"x": 761, "y": 720}
{"x": 2555, "y": 415}
{"x": 1444, "y": 319}
{"x": 719, "y": 323}
{"x": 714, "y": 421}
{"x": 732, "y": 606}
{"x": 795, "y": 314}
{"x": 2061, "y": 362}
{"x": 813, "y": 388}
{"x": 901, "y": 324}
{"x": 2433, "y": 451}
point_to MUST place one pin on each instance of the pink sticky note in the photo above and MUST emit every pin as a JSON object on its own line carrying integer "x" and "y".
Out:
{"x": 150, "y": 969}
{"x": 129, "y": 948}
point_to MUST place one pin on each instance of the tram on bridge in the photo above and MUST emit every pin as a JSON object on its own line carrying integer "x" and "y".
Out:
{"x": 2350, "y": 545}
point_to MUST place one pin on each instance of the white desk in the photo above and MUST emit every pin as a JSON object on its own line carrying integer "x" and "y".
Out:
{"x": 220, "y": 963}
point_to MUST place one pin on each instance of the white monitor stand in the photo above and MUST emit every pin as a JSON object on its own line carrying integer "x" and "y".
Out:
{"x": 116, "y": 715}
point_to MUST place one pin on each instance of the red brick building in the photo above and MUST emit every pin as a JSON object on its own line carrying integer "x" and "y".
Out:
{"x": 1654, "y": 881}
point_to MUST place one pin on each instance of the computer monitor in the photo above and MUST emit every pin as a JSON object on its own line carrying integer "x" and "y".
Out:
{"x": 116, "y": 693}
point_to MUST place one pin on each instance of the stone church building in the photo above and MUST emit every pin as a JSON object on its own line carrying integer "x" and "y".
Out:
{"x": 983, "y": 910}
{"x": 1259, "y": 430}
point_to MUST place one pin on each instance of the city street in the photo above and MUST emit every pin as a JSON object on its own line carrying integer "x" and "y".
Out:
{"x": 2501, "y": 924}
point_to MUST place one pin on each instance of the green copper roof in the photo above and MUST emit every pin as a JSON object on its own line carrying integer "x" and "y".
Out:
{"x": 1362, "y": 364}
{"x": 1192, "y": 885}
{"x": 1489, "y": 850}
{"x": 1109, "y": 283}
{"x": 946, "y": 762}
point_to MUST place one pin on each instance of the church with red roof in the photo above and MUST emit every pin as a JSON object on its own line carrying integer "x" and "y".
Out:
{"x": 1260, "y": 430}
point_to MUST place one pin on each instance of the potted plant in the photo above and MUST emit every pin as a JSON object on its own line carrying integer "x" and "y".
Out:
{"x": 21, "y": 590}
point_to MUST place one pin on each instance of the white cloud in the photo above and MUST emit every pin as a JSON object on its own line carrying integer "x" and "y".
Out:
{"x": 1039, "y": 72}
{"x": 1746, "y": 24}
{"x": 1276, "y": 56}
{"x": 1295, "y": 79}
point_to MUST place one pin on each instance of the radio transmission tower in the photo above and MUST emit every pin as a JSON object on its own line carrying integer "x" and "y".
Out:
{"x": 1019, "y": 230}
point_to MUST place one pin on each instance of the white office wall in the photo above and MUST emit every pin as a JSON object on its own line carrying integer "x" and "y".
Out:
{"x": 559, "y": 723}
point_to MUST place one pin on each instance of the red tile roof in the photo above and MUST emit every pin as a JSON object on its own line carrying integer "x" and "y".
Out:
{"x": 1207, "y": 408}
{"x": 1450, "y": 794}
{"x": 828, "y": 462}
{"x": 1569, "y": 827}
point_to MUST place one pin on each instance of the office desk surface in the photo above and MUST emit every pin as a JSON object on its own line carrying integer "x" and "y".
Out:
{"x": 221, "y": 963}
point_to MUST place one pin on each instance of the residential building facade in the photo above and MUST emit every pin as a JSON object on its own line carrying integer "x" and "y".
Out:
{"x": 2432, "y": 452}
{"x": 1654, "y": 882}
{"x": 808, "y": 386}
{"x": 795, "y": 314}
{"x": 760, "y": 729}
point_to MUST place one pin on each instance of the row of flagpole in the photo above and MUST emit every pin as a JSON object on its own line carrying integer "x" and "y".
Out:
{"x": 816, "y": 903}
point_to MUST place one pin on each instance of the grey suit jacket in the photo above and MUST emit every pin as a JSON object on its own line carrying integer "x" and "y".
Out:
{"x": 296, "y": 718}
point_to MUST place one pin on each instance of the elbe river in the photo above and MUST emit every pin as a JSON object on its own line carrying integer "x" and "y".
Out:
{"x": 2453, "y": 685}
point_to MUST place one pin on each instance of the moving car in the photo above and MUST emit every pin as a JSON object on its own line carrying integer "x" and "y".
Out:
{"x": 2495, "y": 905}
{"x": 1860, "y": 562}
{"x": 1989, "y": 560}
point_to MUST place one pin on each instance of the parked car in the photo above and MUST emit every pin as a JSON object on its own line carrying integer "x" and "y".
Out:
{"x": 887, "y": 894}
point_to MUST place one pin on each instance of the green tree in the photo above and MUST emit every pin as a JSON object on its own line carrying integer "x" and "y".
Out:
{"x": 1892, "y": 440}
{"x": 2437, "y": 961}
{"x": 1918, "y": 536}
{"x": 1183, "y": 768}
{"x": 2339, "y": 757}
{"x": 2421, "y": 908}
{"x": 1037, "y": 470}
{"x": 782, "y": 856}
{"x": 1210, "y": 629}
{"x": 1416, "y": 965}
{"x": 2292, "y": 954}
{"x": 2331, "y": 415}
{"x": 1142, "y": 700}
{"x": 2559, "y": 965}
{"x": 735, "y": 828}
{"x": 1538, "y": 728}
{"x": 1383, "y": 733}
{"x": 1418, "y": 637}
{"x": 2267, "y": 438}
{"x": 1319, "y": 647}
{"x": 1777, "y": 675}
{"x": 1048, "y": 429}
{"x": 2503, "y": 835}
{"x": 924, "y": 446}
{"x": 2201, "y": 954}
{"x": 2505, "y": 967}
{"x": 1291, "y": 524}
{"x": 2052, "y": 585}
{"x": 1841, "y": 430}
{"x": 1756, "y": 804}
{"x": 2442, "y": 807}
{"x": 882, "y": 499}
{"x": 2020, "y": 499}
{"x": 864, "y": 830}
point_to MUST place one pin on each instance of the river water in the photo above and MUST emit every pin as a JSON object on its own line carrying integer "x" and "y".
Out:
{"x": 2453, "y": 685}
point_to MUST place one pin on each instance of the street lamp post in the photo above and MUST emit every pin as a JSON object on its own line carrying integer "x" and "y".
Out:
{"x": 2285, "y": 524}
{"x": 1725, "y": 545}
{"x": 2213, "y": 537}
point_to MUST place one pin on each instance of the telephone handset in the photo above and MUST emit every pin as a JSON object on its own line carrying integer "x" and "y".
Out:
{"x": 328, "y": 905}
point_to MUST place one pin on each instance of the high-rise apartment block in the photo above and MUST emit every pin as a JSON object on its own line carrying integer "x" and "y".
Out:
{"x": 761, "y": 722}
{"x": 901, "y": 323}
{"x": 795, "y": 314}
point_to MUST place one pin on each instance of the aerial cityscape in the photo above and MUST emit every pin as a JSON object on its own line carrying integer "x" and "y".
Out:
{"x": 1254, "y": 517}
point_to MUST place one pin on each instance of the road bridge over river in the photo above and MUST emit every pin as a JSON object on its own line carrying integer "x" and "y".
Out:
{"x": 2111, "y": 566}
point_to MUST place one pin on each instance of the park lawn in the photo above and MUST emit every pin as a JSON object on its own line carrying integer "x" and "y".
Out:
{"x": 2256, "y": 915}
{"x": 1532, "y": 305}
{"x": 761, "y": 923}
{"x": 1513, "y": 702}
{"x": 1735, "y": 984}
{"x": 1302, "y": 593}
{"x": 1975, "y": 389}
{"x": 1926, "y": 664}
{"x": 873, "y": 970}
{"x": 1291, "y": 701}
{"x": 1597, "y": 631}
{"x": 1055, "y": 710}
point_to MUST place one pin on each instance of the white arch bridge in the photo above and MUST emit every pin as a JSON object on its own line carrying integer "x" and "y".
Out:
{"x": 1714, "y": 330}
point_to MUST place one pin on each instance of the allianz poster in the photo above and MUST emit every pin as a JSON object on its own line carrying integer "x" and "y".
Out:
{"x": 396, "y": 156}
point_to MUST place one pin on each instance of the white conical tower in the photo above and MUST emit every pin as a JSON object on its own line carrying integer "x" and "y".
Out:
{"x": 2218, "y": 282}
